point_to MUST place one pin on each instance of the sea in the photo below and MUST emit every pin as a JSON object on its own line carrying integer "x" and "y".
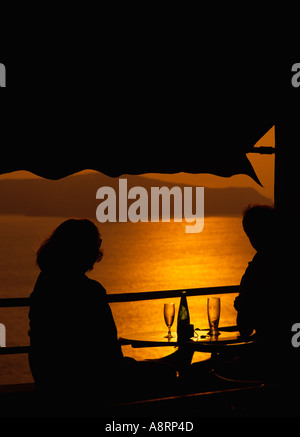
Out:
{"x": 137, "y": 257}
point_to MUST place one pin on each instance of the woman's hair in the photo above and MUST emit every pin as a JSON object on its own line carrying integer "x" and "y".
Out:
{"x": 74, "y": 244}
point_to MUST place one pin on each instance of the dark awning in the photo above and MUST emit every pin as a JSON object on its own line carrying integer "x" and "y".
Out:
{"x": 138, "y": 114}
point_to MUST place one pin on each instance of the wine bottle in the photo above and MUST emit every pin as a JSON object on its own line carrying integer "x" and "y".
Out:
{"x": 183, "y": 319}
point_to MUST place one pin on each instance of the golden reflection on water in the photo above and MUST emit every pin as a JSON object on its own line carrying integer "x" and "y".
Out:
{"x": 161, "y": 256}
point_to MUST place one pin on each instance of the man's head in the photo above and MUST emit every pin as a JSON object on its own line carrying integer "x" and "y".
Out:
{"x": 260, "y": 223}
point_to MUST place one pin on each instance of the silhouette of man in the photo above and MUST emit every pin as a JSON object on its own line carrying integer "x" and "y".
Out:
{"x": 260, "y": 304}
{"x": 258, "y": 290}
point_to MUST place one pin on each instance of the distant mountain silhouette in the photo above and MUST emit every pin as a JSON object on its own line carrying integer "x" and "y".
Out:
{"x": 75, "y": 196}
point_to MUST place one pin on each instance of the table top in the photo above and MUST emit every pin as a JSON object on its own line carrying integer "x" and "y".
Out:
{"x": 201, "y": 341}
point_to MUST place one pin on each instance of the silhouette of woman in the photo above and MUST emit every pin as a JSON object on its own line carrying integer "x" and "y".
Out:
{"x": 74, "y": 350}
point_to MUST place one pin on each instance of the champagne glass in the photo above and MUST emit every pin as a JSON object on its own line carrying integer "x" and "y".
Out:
{"x": 169, "y": 314}
{"x": 213, "y": 312}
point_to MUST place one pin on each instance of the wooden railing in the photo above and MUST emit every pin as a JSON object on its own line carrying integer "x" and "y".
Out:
{"x": 114, "y": 298}
{"x": 148, "y": 295}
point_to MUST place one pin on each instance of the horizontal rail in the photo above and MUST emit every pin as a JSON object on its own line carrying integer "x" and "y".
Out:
{"x": 13, "y": 302}
{"x": 165, "y": 294}
{"x": 13, "y": 350}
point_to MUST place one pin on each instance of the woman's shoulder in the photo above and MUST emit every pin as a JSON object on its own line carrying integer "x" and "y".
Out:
{"x": 60, "y": 282}
{"x": 95, "y": 286}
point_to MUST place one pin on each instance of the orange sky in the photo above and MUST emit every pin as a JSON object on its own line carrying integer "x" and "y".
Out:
{"x": 263, "y": 166}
